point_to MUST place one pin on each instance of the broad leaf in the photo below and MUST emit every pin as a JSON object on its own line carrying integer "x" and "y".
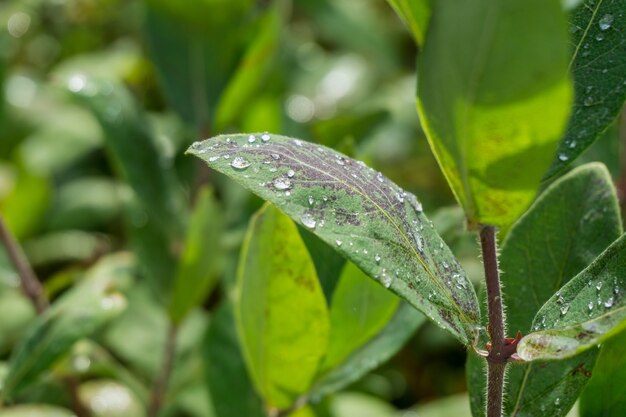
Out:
{"x": 586, "y": 311}
{"x": 359, "y": 212}
{"x": 570, "y": 224}
{"x": 415, "y": 14}
{"x": 598, "y": 64}
{"x": 201, "y": 259}
{"x": 606, "y": 393}
{"x": 79, "y": 313}
{"x": 281, "y": 312}
{"x": 493, "y": 98}
{"x": 373, "y": 354}
{"x": 360, "y": 309}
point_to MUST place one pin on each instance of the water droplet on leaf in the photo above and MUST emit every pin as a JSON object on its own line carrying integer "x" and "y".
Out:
{"x": 239, "y": 163}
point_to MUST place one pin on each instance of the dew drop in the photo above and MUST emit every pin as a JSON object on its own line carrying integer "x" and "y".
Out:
{"x": 377, "y": 258}
{"x": 557, "y": 401}
{"x": 308, "y": 221}
{"x": 297, "y": 142}
{"x": 563, "y": 157}
{"x": 251, "y": 139}
{"x": 214, "y": 158}
{"x": 588, "y": 101}
{"x": 380, "y": 177}
{"x": 600, "y": 36}
{"x": 572, "y": 144}
{"x": 386, "y": 279}
{"x": 609, "y": 303}
{"x": 275, "y": 156}
{"x": 265, "y": 137}
{"x": 590, "y": 305}
{"x": 226, "y": 156}
{"x": 338, "y": 242}
{"x": 606, "y": 22}
{"x": 564, "y": 309}
{"x": 282, "y": 184}
{"x": 291, "y": 173}
{"x": 311, "y": 201}
{"x": 239, "y": 163}
{"x": 599, "y": 286}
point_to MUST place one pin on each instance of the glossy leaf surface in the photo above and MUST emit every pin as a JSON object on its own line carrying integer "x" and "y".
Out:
{"x": 586, "y": 311}
{"x": 359, "y": 212}
{"x": 281, "y": 312}
{"x": 598, "y": 64}
{"x": 494, "y": 98}
{"x": 415, "y": 14}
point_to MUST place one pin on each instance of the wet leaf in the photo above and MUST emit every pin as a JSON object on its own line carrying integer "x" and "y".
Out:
{"x": 606, "y": 394}
{"x": 598, "y": 64}
{"x": 415, "y": 14}
{"x": 360, "y": 309}
{"x": 588, "y": 310}
{"x": 79, "y": 313}
{"x": 570, "y": 224}
{"x": 359, "y": 212}
{"x": 281, "y": 312}
{"x": 494, "y": 117}
{"x": 201, "y": 259}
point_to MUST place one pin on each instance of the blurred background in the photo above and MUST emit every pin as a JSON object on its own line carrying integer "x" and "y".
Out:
{"x": 100, "y": 99}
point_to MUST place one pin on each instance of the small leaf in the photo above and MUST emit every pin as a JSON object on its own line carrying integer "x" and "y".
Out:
{"x": 79, "y": 313}
{"x": 588, "y": 310}
{"x": 494, "y": 98}
{"x": 373, "y": 354}
{"x": 598, "y": 63}
{"x": 281, "y": 311}
{"x": 415, "y": 14}
{"x": 202, "y": 257}
{"x": 606, "y": 394}
{"x": 359, "y": 212}
{"x": 227, "y": 378}
{"x": 360, "y": 309}
{"x": 569, "y": 225}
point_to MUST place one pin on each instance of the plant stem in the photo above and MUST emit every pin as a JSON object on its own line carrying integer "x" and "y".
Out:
{"x": 496, "y": 360}
{"x": 159, "y": 389}
{"x": 28, "y": 280}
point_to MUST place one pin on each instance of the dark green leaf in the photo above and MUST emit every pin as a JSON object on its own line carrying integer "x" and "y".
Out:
{"x": 79, "y": 313}
{"x": 377, "y": 351}
{"x": 494, "y": 97}
{"x": 598, "y": 64}
{"x": 606, "y": 393}
{"x": 202, "y": 258}
{"x": 231, "y": 390}
{"x": 359, "y": 212}
{"x": 281, "y": 311}
{"x": 360, "y": 309}
{"x": 586, "y": 311}
{"x": 415, "y": 14}
{"x": 328, "y": 263}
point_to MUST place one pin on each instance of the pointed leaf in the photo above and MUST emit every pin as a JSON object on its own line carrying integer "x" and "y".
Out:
{"x": 359, "y": 310}
{"x": 493, "y": 97}
{"x": 589, "y": 309}
{"x": 79, "y": 313}
{"x": 359, "y": 212}
{"x": 281, "y": 311}
{"x": 570, "y": 224}
{"x": 415, "y": 14}
{"x": 202, "y": 257}
{"x": 606, "y": 393}
{"x": 598, "y": 64}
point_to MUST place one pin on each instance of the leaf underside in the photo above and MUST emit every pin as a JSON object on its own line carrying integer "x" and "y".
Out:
{"x": 359, "y": 212}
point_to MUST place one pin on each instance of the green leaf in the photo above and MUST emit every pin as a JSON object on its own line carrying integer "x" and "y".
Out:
{"x": 586, "y": 311}
{"x": 281, "y": 311}
{"x": 493, "y": 98}
{"x": 415, "y": 14}
{"x": 119, "y": 400}
{"x": 17, "y": 312}
{"x": 156, "y": 214}
{"x": 252, "y": 68}
{"x": 374, "y": 353}
{"x": 360, "y": 309}
{"x": 605, "y": 394}
{"x": 569, "y": 225}
{"x": 29, "y": 410}
{"x": 202, "y": 258}
{"x": 598, "y": 64}
{"x": 364, "y": 216}
{"x": 352, "y": 404}
{"x": 227, "y": 378}
{"x": 79, "y": 313}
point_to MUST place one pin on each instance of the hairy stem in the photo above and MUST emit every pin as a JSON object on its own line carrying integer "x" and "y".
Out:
{"x": 496, "y": 360}
{"x": 159, "y": 389}
{"x": 28, "y": 280}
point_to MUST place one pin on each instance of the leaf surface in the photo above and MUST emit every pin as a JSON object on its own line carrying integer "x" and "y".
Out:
{"x": 281, "y": 312}
{"x": 493, "y": 98}
{"x": 359, "y": 212}
{"x": 598, "y": 64}
{"x": 415, "y": 14}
